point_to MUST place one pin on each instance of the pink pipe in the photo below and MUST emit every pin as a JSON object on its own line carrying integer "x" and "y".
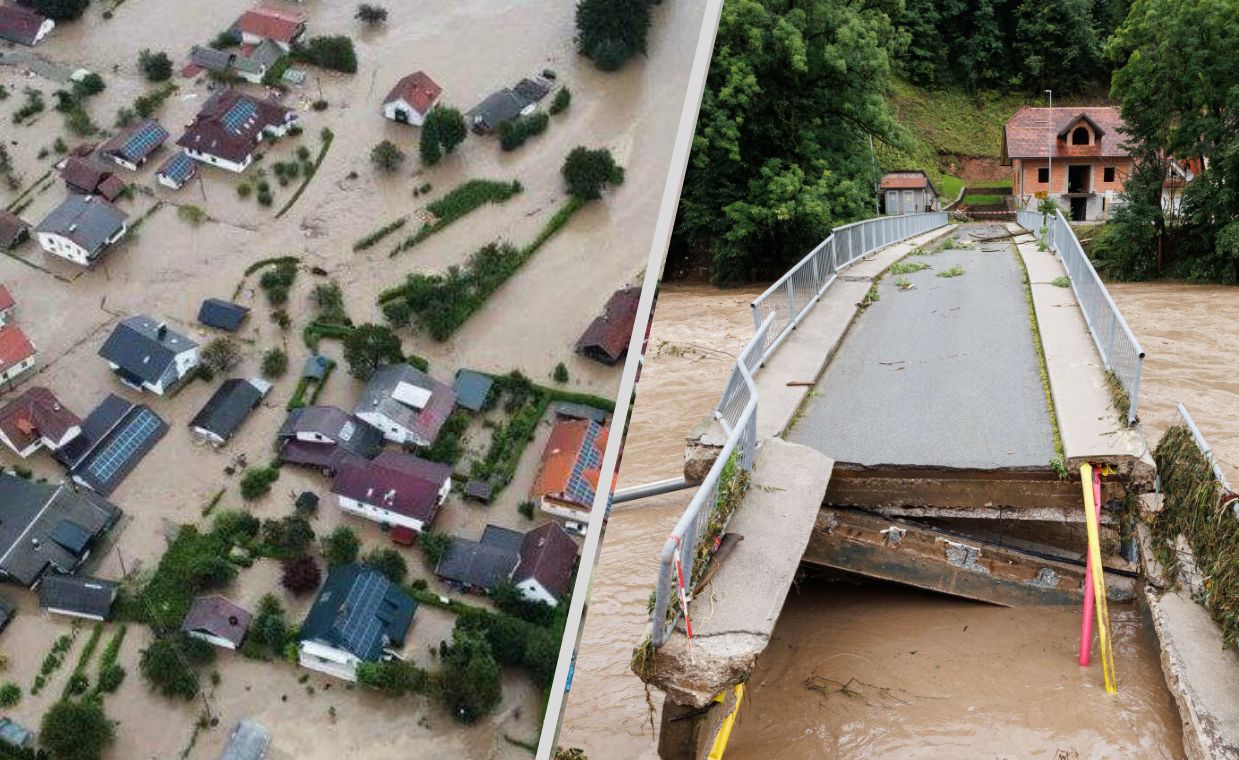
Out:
{"x": 1086, "y": 621}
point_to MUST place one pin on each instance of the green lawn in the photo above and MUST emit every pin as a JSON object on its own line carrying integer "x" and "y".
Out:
{"x": 949, "y": 187}
{"x": 977, "y": 199}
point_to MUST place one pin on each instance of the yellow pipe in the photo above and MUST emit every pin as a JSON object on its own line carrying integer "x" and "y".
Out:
{"x": 724, "y": 731}
{"x": 1098, "y": 579}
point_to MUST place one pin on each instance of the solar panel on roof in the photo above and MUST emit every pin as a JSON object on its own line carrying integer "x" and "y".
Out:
{"x": 589, "y": 459}
{"x": 179, "y": 168}
{"x": 359, "y": 626}
{"x": 241, "y": 112}
{"x": 118, "y": 451}
{"x": 143, "y": 141}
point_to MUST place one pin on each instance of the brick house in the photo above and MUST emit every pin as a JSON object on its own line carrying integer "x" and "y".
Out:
{"x": 1090, "y": 159}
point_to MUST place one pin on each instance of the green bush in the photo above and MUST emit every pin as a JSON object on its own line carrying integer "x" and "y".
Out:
{"x": 169, "y": 663}
{"x": 340, "y": 547}
{"x": 10, "y": 695}
{"x": 76, "y": 730}
{"x": 287, "y": 536}
{"x": 388, "y": 562}
{"x": 612, "y": 31}
{"x": 460, "y": 201}
{"x": 110, "y": 678}
{"x": 335, "y": 53}
{"x": 514, "y": 133}
{"x": 560, "y": 103}
{"x": 395, "y": 678}
{"x": 435, "y": 546}
{"x": 560, "y": 375}
{"x": 443, "y": 129}
{"x": 156, "y": 65}
{"x": 526, "y": 508}
{"x": 369, "y": 346}
{"x": 587, "y": 172}
{"x": 274, "y": 362}
{"x": 386, "y": 156}
{"x": 470, "y": 683}
{"x": 277, "y": 281}
{"x": 257, "y": 481}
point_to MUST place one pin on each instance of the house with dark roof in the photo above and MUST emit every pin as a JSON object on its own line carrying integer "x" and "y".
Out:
{"x": 283, "y": 27}
{"x": 411, "y": 99}
{"x": 81, "y": 228}
{"x": 36, "y": 419}
{"x": 359, "y": 616}
{"x": 607, "y": 337}
{"x": 17, "y": 353}
{"x": 547, "y": 561}
{"x": 48, "y": 528}
{"x": 131, "y": 147}
{"x": 217, "y": 621}
{"x": 202, "y": 58}
{"x": 23, "y": 26}
{"x": 115, "y": 437}
{"x": 149, "y": 356}
{"x": 227, "y": 408}
{"x": 229, "y": 127}
{"x": 73, "y": 596}
{"x": 408, "y": 405}
{"x": 498, "y": 107}
{"x": 86, "y": 176}
{"x": 907, "y": 191}
{"x": 568, "y": 475}
{"x": 256, "y": 60}
{"x": 1090, "y": 157}
{"x": 221, "y": 314}
{"x": 177, "y": 170}
{"x": 394, "y": 489}
{"x": 13, "y": 230}
{"x": 325, "y": 437}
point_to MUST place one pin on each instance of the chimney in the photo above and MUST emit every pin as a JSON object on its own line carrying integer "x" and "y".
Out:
{"x": 161, "y": 331}
{"x": 232, "y": 620}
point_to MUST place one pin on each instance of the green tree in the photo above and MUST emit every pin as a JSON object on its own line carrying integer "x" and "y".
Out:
{"x": 372, "y": 15}
{"x": 156, "y": 65}
{"x": 369, "y": 346}
{"x": 782, "y": 149}
{"x": 442, "y": 131}
{"x": 76, "y": 730}
{"x": 388, "y": 562}
{"x": 612, "y": 31}
{"x": 586, "y": 172}
{"x": 387, "y": 156}
{"x": 300, "y": 575}
{"x": 58, "y": 10}
{"x": 169, "y": 664}
{"x": 335, "y": 53}
{"x": 435, "y": 546}
{"x": 469, "y": 683}
{"x": 274, "y": 362}
{"x": 340, "y": 547}
{"x": 1057, "y": 47}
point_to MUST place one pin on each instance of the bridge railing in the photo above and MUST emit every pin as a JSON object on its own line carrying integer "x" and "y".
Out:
{"x": 687, "y": 550}
{"x": 1120, "y": 351}
{"x": 790, "y": 297}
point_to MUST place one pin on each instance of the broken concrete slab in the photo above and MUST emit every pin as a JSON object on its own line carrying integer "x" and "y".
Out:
{"x": 734, "y": 616}
{"x": 1202, "y": 676}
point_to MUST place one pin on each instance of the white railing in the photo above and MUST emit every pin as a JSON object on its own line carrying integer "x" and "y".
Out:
{"x": 789, "y": 298}
{"x": 1120, "y": 351}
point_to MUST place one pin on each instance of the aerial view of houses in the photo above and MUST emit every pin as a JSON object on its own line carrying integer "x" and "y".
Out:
{"x": 312, "y": 320}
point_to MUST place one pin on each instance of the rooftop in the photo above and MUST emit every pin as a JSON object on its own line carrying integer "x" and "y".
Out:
{"x": 416, "y": 89}
{"x": 570, "y": 463}
{"x": 15, "y": 347}
{"x": 87, "y": 220}
{"x": 34, "y": 415}
{"x": 1029, "y": 133}
{"x": 46, "y": 525}
{"x": 359, "y": 611}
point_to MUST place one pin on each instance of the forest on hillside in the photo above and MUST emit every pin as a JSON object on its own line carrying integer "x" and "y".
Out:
{"x": 798, "y": 109}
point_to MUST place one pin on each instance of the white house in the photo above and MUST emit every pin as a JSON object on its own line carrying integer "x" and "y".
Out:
{"x": 411, "y": 99}
{"x": 406, "y": 404}
{"x": 147, "y": 356}
{"x": 228, "y": 129}
{"x": 393, "y": 489}
{"x": 81, "y": 228}
{"x": 17, "y": 353}
{"x": 23, "y": 26}
{"x": 359, "y": 616}
{"x": 547, "y": 562}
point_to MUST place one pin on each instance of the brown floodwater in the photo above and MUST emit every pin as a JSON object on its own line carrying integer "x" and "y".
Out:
{"x": 934, "y": 676}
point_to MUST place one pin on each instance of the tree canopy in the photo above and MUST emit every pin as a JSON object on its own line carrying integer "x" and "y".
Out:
{"x": 76, "y": 730}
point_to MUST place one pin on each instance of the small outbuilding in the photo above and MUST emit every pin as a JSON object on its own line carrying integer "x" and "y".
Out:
{"x": 607, "y": 337}
{"x": 82, "y": 597}
{"x": 228, "y": 407}
{"x": 472, "y": 389}
{"x": 907, "y": 192}
{"x": 132, "y": 147}
{"x": 222, "y": 315}
{"x": 217, "y": 621}
{"x": 13, "y": 231}
{"x": 177, "y": 171}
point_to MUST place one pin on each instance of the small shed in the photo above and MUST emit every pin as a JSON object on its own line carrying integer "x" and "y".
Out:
{"x": 13, "y": 230}
{"x": 307, "y": 501}
{"x": 316, "y": 367}
{"x": 907, "y": 192}
{"x": 228, "y": 407}
{"x": 472, "y": 389}
{"x": 479, "y": 490}
{"x": 89, "y": 598}
{"x": 221, "y": 314}
{"x": 607, "y": 337}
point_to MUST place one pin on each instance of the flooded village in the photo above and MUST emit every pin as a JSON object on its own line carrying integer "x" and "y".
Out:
{"x": 280, "y": 392}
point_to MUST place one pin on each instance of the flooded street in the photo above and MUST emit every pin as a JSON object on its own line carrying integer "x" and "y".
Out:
{"x": 943, "y": 677}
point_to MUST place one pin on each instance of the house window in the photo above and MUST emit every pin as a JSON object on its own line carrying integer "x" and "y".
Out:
{"x": 1079, "y": 136}
{"x": 1043, "y": 175}
{"x": 1108, "y": 174}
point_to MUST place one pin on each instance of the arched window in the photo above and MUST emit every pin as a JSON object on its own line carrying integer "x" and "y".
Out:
{"x": 1079, "y": 136}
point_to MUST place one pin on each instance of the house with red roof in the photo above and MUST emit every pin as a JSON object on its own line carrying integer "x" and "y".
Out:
{"x": 907, "y": 191}
{"x": 1075, "y": 155}
{"x": 411, "y": 99}
{"x": 283, "y": 27}
{"x": 13, "y": 231}
{"x": 606, "y": 339}
{"x": 35, "y": 420}
{"x": 395, "y": 489}
{"x": 23, "y": 26}
{"x": 547, "y": 561}
{"x": 229, "y": 127}
{"x": 17, "y": 353}
{"x": 86, "y": 176}
{"x": 7, "y": 305}
{"x": 568, "y": 475}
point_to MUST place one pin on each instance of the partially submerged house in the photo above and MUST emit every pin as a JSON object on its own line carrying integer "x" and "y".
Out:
{"x": 568, "y": 474}
{"x": 147, "y": 355}
{"x": 48, "y": 528}
{"x": 408, "y": 405}
{"x": 177, "y": 170}
{"x": 359, "y": 616}
{"x": 131, "y": 147}
{"x": 13, "y": 230}
{"x": 1091, "y": 161}
{"x": 1179, "y": 174}
{"x": 411, "y": 99}
{"x": 539, "y": 563}
{"x": 222, "y": 315}
{"x": 262, "y": 23}
{"x": 81, "y": 229}
{"x": 248, "y": 741}
{"x": 607, "y": 337}
{"x": 35, "y": 420}
{"x": 115, "y": 437}
{"x": 73, "y": 596}
{"x": 217, "y": 621}
{"x": 84, "y": 175}
{"x": 227, "y": 130}
{"x": 23, "y": 26}
{"x": 7, "y": 305}
{"x": 326, "y": 438}
{"x": 227, "y": 408}
{"x": 394, "y": 489}
{"x": 498, "y": 107}
{"x": 907, "y": 191}
{"x": 17, "y": 353}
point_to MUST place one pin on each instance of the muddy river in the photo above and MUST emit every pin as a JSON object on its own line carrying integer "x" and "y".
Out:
{"x": 926, "y": 675}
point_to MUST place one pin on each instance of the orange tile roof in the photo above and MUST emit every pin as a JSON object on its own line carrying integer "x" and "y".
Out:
{"x": 15, "y": 347}
{"x": 1028, "y": 133}
{"x": 570, "y": 441}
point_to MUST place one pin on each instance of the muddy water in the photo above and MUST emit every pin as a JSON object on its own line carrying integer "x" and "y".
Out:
{"x": 964, "y": 680}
